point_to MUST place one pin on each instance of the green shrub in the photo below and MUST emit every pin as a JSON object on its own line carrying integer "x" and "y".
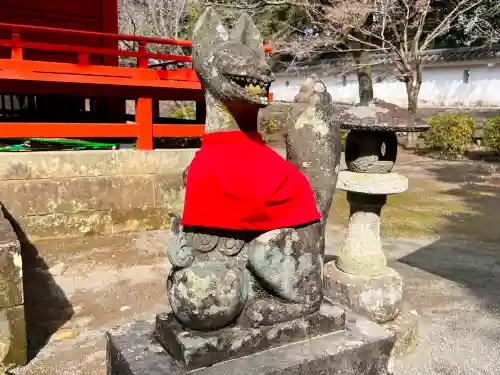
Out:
{"x": 343, "y": 135}
{"x": 188, "y": 114}
{"x": 492, "y": 134}
{"x": 451, "y": 134}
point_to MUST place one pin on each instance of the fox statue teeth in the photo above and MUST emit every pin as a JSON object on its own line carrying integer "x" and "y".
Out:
{"x": 256, "y": 90}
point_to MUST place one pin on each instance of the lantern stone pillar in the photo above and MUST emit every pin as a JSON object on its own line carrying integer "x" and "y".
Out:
{"x": 360, "y": 278}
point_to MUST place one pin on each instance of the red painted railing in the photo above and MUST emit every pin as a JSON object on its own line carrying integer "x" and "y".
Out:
{"x": 146, "y": 86}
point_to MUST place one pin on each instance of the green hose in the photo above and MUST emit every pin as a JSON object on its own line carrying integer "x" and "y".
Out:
{"x": 41, "y": 144}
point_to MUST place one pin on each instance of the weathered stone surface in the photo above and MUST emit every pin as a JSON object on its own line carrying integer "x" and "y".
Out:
{"x": 371, "y": 152}
{"x": 365, "y": 348}
{"x": 207, "y": 296}
{"x": 289, "y": 262}
{"x": 56, "y": 164}
{"x": 72, "y": 164}
{"x": 42, "y": 197}
{"x": 95, "y": 222}
{"x": 156, "y": 162}
{"x": 78, "y": 193}
{"x": 313, "y": 141}
{"x": 138, "y": 219}
{"x": 379, "y": 297}
{"x": 372, "y": 183}
{"x": 379, "y": 115}
{"x": 169, "y": 191}
{"x": 361, "y": 252}
{"x": 232, "y": 67}
{"x": 11, "y": 267}
{"x": 13, "y": 341}
{"x": 260, "y": 278}
{"x": 67, "y": 224}
{"x": 405, "y": 329}
{"x": 196, "y": 349}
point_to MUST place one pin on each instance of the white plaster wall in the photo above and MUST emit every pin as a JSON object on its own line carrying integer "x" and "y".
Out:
{"x": 441, "y": 86}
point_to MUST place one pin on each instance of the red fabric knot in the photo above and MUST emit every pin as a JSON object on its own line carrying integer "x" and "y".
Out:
{"x": 237, "y": 182}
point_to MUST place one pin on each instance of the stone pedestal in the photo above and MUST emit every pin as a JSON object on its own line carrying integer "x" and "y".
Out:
{"x": 200, "y": 349}
{"x": 362, "y": 347}
{"x": 13, "y": 341}
{"x": 377, "y": 297}
{"x": 360, "y": 278}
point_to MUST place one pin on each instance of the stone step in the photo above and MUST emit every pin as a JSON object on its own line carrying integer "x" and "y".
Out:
{"x": 362, "y": 348}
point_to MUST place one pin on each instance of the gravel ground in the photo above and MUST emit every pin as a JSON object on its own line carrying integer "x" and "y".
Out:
{"x": 78, "y": 289}
{"x": 454, "y": 289}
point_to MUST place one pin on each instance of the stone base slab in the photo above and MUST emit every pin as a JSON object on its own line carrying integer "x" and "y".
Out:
{"x": 11, "y": 266}
{"x": 363, "y": 348}
{"x": 13, "y": 340}
{"x": 377, "y": 297}
{"x": 196, "y": 349}
{"x": 405, "y": 329}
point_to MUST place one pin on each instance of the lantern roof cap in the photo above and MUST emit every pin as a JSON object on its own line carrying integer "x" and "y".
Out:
{"x": 379, "y": 115}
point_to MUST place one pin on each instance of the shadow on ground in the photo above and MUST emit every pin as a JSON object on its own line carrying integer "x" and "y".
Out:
{"x": 454, "y": 255}
{"x": 45, "y": 304}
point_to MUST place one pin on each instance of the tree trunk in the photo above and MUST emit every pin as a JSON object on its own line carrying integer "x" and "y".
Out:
{"x": 412, "y": 90}
{"x": 364, "y": 72}
{"x": 413, "y": 84}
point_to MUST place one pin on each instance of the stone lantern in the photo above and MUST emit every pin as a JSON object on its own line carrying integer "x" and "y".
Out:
{"x": 360, "y": 278}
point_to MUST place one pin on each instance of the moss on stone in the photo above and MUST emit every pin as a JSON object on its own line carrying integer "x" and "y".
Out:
{"x": 425, "y": 210}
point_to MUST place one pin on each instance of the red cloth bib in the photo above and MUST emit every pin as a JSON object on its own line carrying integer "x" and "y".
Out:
{"x": 236, "y": 181}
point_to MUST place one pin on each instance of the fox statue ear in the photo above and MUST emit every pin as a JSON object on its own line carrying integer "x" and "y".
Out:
{"x": 207, "y": 34}
{"x": 209, "y": 28}
{"x": 247, "y": 33}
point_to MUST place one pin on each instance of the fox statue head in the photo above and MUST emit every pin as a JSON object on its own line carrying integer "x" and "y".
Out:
{"x": 232, "y": 65}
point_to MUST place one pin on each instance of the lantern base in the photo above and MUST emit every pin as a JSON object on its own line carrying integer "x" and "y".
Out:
{"x": 378, "y": 297}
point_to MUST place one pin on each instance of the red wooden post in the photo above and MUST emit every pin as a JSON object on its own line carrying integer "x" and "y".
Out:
{"x": 16, "y": 52}
{"x": 142, "y": 62}
{"x": 144, "y": 122}
{"x": 83, "y": 59}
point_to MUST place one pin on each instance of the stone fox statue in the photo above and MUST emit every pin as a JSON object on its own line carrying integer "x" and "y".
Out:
{"x": 249, "y": 247}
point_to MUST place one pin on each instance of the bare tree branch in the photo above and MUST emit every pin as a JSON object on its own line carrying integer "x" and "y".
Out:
{"x": 160, "y": 18}
{"x": 401, "y": 29}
